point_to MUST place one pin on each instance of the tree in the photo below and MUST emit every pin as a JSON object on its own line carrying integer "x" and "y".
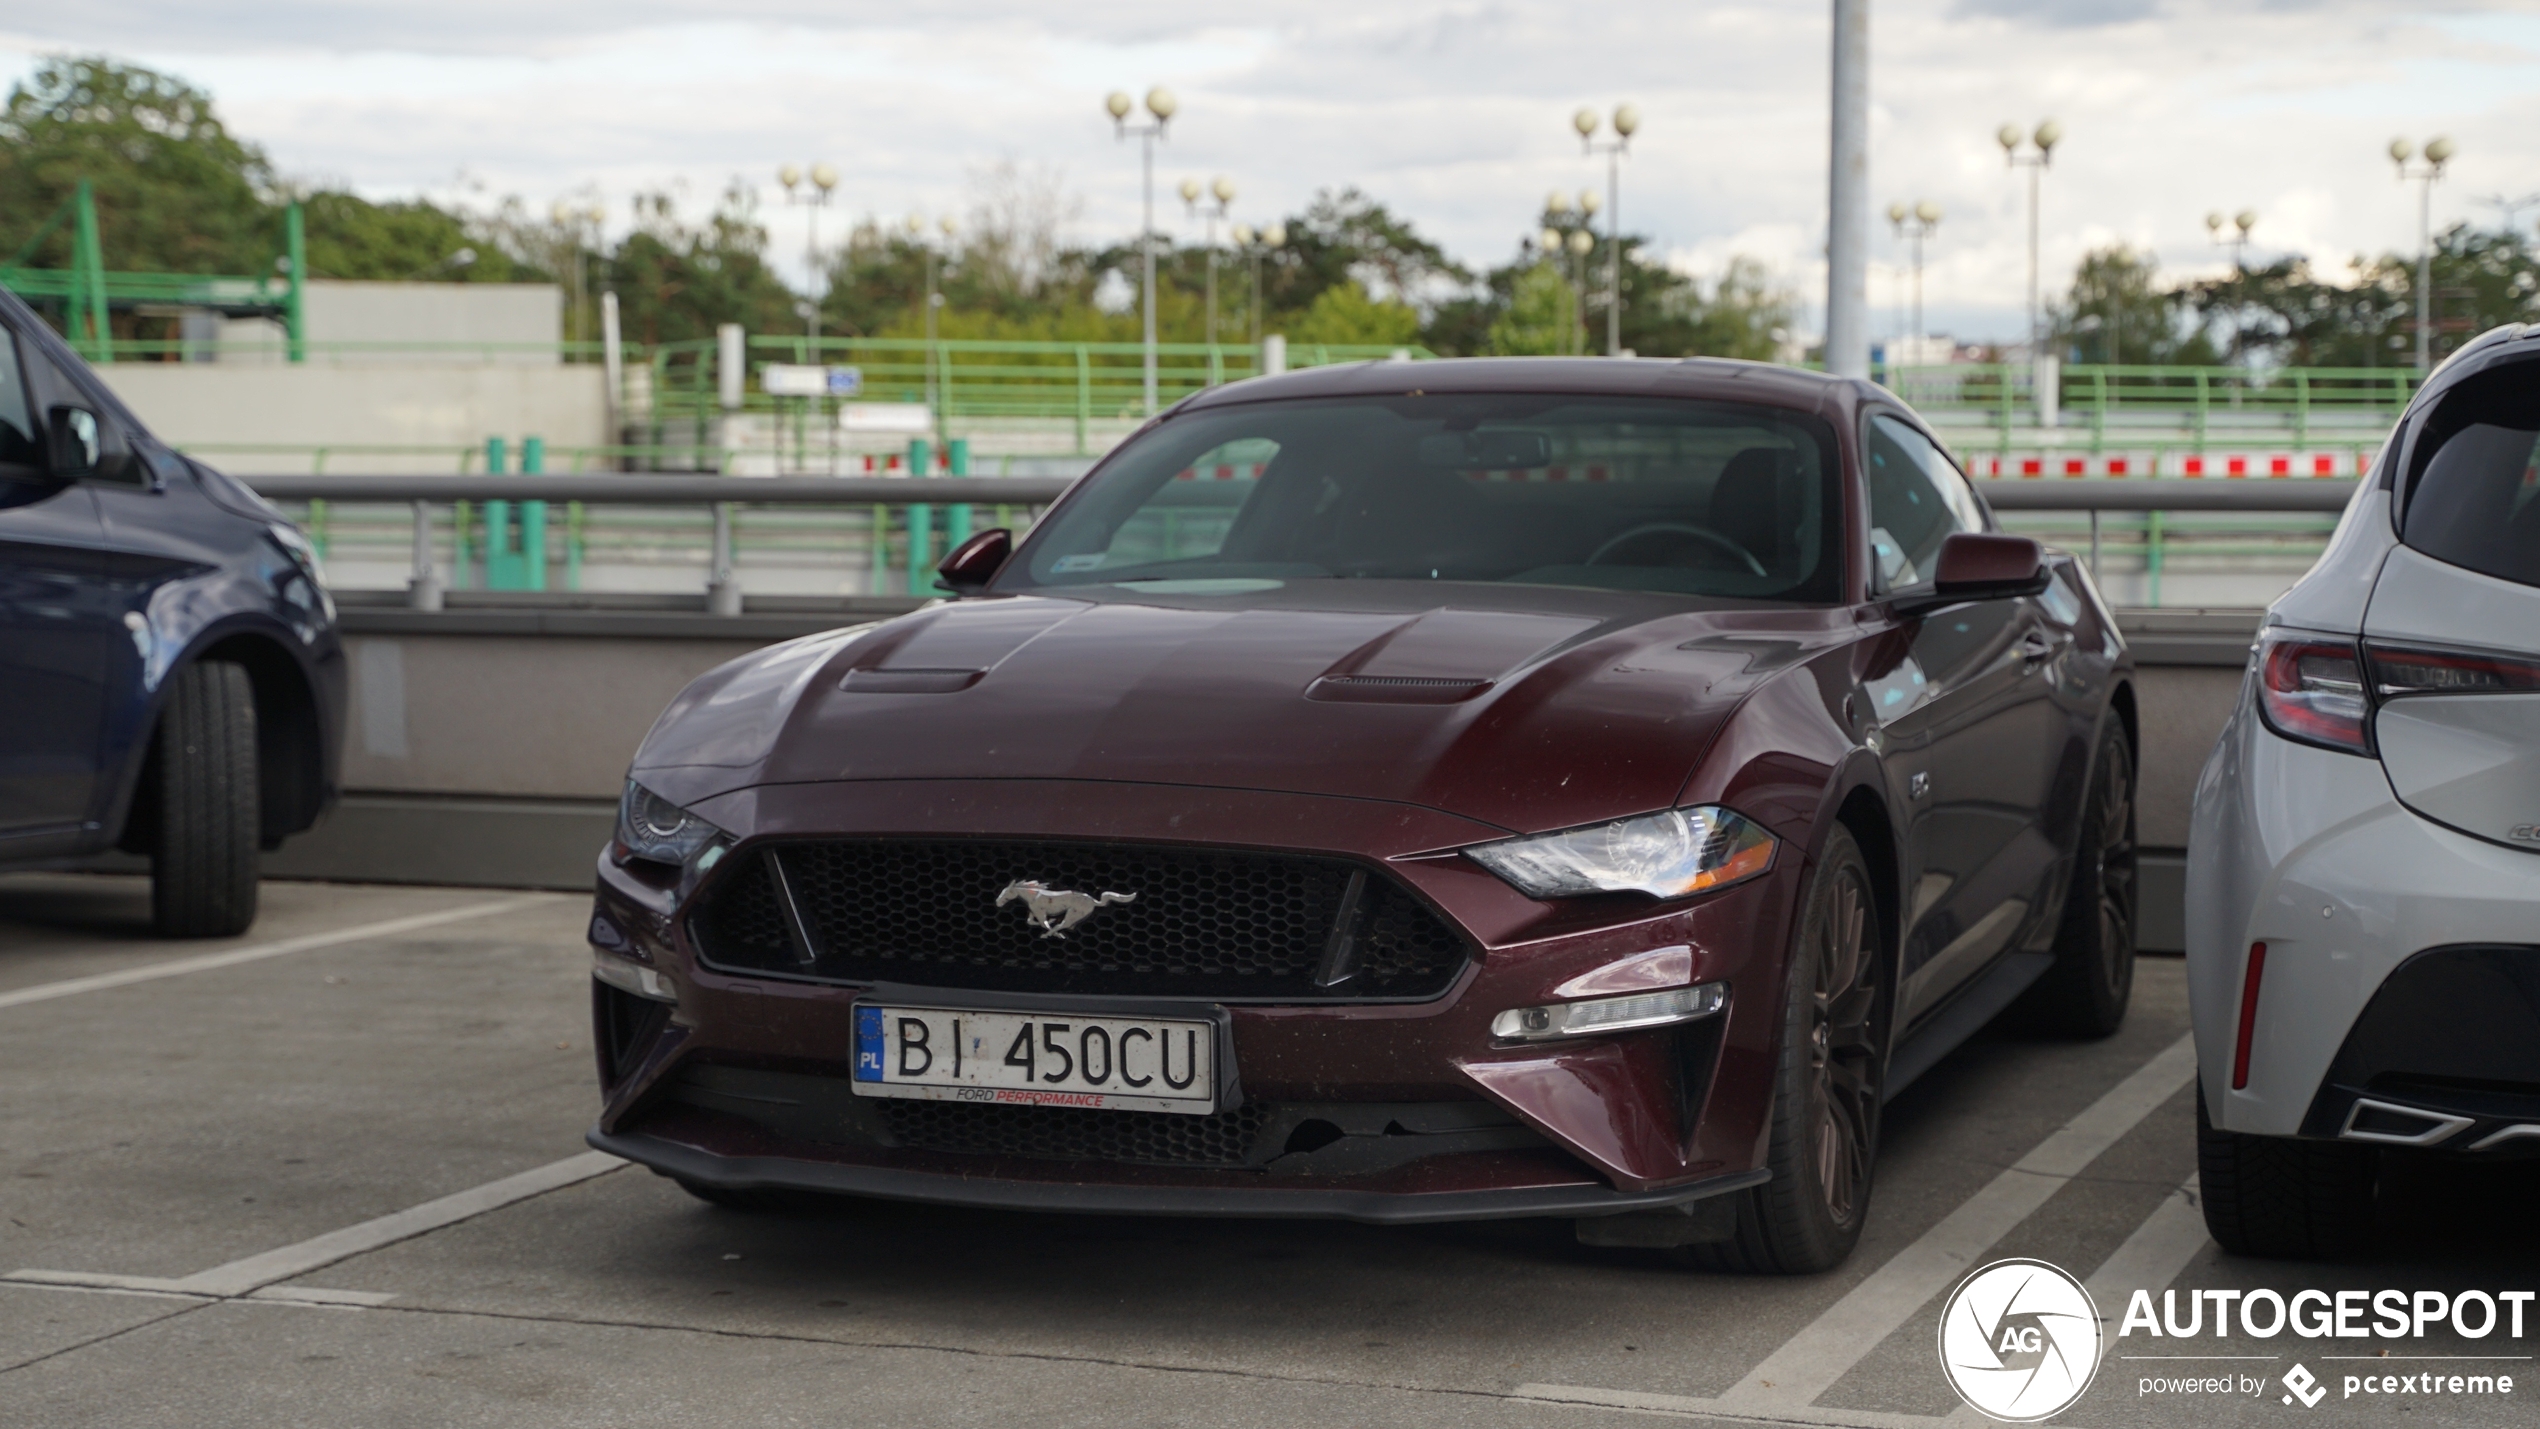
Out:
{"x": 677, "y": 282}
{"x": 2118, "y": 311}
{"x": 351, "y": 237}
{"x": 1536, "y": 318}
{"x": 1344, "y": 314}
{"x": 175, "y": 191}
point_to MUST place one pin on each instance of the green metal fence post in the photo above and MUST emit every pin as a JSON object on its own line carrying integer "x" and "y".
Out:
{"x": 921, "y": 520}
{"x": 573, "y": 536}
{"x": 2301, "y": 408}
{"x": 88, "y": 281}
{"x": 498, "y": 523}
{"x": 2152, "y": 553}
{"x": 533, "y": 519}
{"x": 295, "y": 244}
{"x": 1084, "y": 395}
{"x": 2204, "y": 400}
{"x": 957, "y": 518}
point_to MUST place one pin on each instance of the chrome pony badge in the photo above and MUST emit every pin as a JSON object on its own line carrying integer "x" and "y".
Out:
{"x": 1055, "y": 910}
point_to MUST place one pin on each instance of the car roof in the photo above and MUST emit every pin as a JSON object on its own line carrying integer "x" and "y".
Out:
{"x": 1719, "y": 378}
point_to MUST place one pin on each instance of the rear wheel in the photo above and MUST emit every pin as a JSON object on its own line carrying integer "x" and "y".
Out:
{"x": 1825, "y": 1127}
{"x": 2086, "y": 992}
{"x": 2283, "y": 1198}
{"x": 203, "y": 851}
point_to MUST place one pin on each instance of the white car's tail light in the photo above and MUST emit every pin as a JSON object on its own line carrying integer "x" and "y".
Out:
{"x": 2312, "y": 690}
{"x": 2403, "y": 671}
{"x": 1610, "y": 1014}
{"x": 2249, "y": 979}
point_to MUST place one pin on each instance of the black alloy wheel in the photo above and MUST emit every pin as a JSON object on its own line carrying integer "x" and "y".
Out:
{"x": 1823, "y": 1147}
{"x": 2086, "y": 992}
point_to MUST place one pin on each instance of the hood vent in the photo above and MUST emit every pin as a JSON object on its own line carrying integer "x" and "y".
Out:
{"x": 1395, "y": 689}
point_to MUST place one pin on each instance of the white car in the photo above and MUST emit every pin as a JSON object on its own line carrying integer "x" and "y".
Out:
{"x": 2363, "y": 885}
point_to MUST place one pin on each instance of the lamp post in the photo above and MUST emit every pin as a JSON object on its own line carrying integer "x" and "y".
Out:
{"x": 1915, "y": 225}
{"x": 824, "y": 181}
{"x": 1162, "y": 105}
{"x": 934, "y": 300}
{"x": 1256, "y": 244}
{"x": 1626, "y": 123}
{"x": 2046, "y": 136}
{"x": 572, "y": 222}
{"x": 2438, "y": 152}
{"x": 1221, "y": 189}
{"x": 2234, "y": 236}
{"x": 1582, "y": 243}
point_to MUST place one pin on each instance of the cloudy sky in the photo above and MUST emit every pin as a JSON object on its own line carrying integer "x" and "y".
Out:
{"x": 1456, "y": 113}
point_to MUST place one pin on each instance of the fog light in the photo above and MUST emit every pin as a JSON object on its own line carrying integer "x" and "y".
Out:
{"x": 1610, "y": 1014}
{"x": 632, "y": 977}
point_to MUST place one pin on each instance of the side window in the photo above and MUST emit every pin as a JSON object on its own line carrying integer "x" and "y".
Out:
{"x": 18, "y": 445}
{"x": 1917, "y": 501}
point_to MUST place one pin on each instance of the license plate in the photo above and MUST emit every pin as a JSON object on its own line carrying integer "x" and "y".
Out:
{"x": 1036, "y": 1059}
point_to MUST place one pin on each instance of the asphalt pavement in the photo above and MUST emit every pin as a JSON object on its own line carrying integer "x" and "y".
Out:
{"x": 331, "y": 1173}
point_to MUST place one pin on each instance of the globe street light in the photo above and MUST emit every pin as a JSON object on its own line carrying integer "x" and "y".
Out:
{"x": 1626, "y": 123}
{"x": 1256, "y": 244}
{"x": 1221, "y": 189}
{"x": 2438, "y": 152}
{"x": 2046, "y": 137}
{"x": 1915, "y": 224}
{"x": 824, "y": 180}
{"x": 1162, "y": 105}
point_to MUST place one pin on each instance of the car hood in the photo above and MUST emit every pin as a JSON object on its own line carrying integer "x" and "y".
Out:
{"x": 1527, "y": 708}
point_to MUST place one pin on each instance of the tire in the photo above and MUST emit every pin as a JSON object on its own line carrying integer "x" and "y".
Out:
{"x": 2281, "y": 1198}
{"x": 1823, "y": 1146}
{"x": 2085, "y": 993}
{"x": 203, "y": 851}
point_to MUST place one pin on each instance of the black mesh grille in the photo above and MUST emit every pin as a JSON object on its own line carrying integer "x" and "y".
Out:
{"x": 1151, "y": 1138}
{"x": 1201, "y": 922}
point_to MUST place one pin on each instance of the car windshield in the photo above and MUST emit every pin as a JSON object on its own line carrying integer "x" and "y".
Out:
{"x": 1622, "y": 493}
{"x": 2475, "y": 501}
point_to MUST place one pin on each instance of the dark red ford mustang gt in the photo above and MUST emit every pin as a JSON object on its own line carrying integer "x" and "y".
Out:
{"x": 1412, "y": 791}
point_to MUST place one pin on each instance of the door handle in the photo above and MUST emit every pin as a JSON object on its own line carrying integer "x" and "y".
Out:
{"x": 2035, "y": 647}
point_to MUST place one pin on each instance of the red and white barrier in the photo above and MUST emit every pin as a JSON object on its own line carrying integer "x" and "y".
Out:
{"x": 2176, "y": 464}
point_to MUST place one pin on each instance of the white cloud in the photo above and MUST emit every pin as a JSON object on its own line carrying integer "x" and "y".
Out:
{"x": 1454, "y": 113}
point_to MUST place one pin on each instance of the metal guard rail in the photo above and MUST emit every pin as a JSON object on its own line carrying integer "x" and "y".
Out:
{"x": 2311, "y": 494}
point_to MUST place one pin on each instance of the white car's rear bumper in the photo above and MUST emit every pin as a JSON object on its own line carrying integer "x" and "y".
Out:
{"x": 2309, "y": 852}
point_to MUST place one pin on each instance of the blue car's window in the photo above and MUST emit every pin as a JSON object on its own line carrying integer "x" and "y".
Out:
{"x": 18, "y": 447}
{"x": 1689, "y": 497}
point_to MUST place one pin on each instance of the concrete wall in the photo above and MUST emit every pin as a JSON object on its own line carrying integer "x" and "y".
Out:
{"x": 255, "y": 418}
{"x": 526, "y": 314}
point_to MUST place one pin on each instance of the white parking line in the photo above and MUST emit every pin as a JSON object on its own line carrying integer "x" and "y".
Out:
{"x": 1809, "y": 1363}
{"x": 178, "y": 967}
{"x": 250, "y": 1276}
{"x": 1711, "y": 1409}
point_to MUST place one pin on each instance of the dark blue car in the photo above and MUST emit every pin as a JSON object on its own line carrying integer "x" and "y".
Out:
{"x": 171, "y": 683}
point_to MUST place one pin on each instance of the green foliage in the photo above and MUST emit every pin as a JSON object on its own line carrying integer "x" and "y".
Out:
{"x": 351, "y": 237}
{"x": 175, "y": 191}
{"x": 2118, "y": 311}
{"x": 1536, "y": 319}
{"x": 1344, "y": 314}
{"x": 677, "y": 281}
{"x": 1742, "y": 314}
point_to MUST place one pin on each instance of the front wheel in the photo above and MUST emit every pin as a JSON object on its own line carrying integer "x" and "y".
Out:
{"x": 203, "y": 852}
{"x": 1825, "y": 1128}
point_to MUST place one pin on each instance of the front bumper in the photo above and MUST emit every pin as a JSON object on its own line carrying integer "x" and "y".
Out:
{"x": 1601, "y": 1125}
{"x": 2310, "y": 852}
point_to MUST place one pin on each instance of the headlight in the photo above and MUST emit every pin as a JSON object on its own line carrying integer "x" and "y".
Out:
{"x": 651, "y": 827}
{"x": 1610, "y": 1014}
{"x": 1666, "y": 855}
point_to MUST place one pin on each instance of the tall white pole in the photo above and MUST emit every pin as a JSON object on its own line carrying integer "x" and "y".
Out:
{"x": 1614, "y": 251}
{"x": 2425, "y": 271}
{"x": 1848, "y": 196}
{"x": 2036, "y": 346}
{"x": 1146, "y": 246}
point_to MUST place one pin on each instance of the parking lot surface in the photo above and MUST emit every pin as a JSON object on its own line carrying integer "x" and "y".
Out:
{"x": 332, "y": 1173}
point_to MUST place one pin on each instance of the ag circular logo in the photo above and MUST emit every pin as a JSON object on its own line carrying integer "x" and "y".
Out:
{"x": 2019, "y": 1340}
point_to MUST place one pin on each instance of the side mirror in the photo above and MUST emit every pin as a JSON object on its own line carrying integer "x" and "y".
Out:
{"x": 968, "y": 567}
{"x": 71, "y": 438}
{"x": 1980, "y": 566}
